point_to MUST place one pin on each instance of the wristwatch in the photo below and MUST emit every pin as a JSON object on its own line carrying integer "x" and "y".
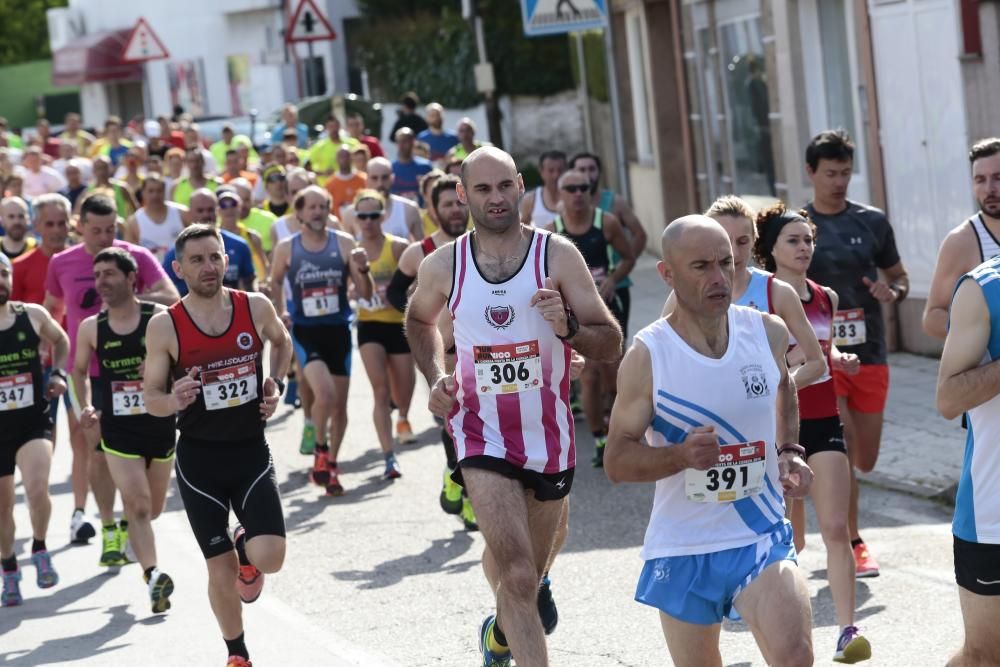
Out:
{"x": 572, "y": 326}
{"x": 59, "y": 373}
{"x": 281, "y": 385}
{"x": 799, "y": 450}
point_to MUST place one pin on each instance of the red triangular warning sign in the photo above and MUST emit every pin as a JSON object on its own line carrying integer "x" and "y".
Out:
{"x": 308, "y": 24}
{"x": 143, "y": 45}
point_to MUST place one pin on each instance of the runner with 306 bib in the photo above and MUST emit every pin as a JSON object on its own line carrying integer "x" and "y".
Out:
{"x": 211, "y": 345}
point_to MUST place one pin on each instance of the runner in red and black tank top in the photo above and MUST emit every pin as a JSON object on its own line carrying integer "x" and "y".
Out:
{"x": 818, "y": 400}
{"x": 231, "y": 372}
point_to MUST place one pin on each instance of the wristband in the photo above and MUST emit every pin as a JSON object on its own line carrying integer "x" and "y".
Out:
{"x": 59, "y": 373}
{"x": 365, "y": 270}
{"x": 280, "y": 384}
{"x": 798, "y": 450}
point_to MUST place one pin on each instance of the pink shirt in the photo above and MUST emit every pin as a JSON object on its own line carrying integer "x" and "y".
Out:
{"x": 71, "y": 278}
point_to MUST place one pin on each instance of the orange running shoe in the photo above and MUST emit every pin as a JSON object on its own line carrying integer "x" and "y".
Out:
{"x": 333, "y": 487}
{"x": 404, "y": 432}
{"x": 249, "y": 580}
{"x": 865, "y": 565}
{"x": 321, "y": 467}
{"x": 238, "y": 661}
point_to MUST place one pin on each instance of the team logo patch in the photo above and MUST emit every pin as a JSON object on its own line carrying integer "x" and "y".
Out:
{"x": 500, "y": 317}
{"x": 754, "y": 381}
{"x": 244, "y": 340}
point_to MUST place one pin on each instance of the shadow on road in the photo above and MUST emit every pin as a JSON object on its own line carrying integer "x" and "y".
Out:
{"x": 76, "y": 647}
{"x": 433, "y": 560}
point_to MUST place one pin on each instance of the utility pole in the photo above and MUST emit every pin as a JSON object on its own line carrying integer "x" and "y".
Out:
{"x": 485, "y": 80}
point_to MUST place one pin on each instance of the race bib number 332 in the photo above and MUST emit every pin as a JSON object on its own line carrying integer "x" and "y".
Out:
{"x": 508, "y": 369}
{"x": 739, "y": 474}
{"x": 229, "y": 387}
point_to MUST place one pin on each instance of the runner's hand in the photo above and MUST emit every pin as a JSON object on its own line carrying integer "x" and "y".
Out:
{"x": 442, "y": 399}
{"x": 359, "y": 257}
{"x": 269, "y": 403}
{"x": 701, "y": 448}
{"x": 880, "y": 290}
{"x": 57, "y": 386}
{"x": 607, "y": 289}
{"x": 795, "y": 476}
{"x": 187, "y": 388}
{"x": 549, "y": 303}
{"x": 576, "y": 364}
{"x": 848, "y": 363}
{"x": 89, "y": 417}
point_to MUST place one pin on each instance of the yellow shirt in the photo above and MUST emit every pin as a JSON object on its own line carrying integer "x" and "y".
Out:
{"x": 429, "y": 225}
{"x": 258, "y": 261}
{"x": 382, "y": 270}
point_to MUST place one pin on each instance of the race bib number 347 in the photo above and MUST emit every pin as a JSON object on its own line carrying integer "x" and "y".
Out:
{"x": 508, "y": 369}
{"x": 739, "y": 474}
{"x": 229, "y": 387}
{"x": 16, "y": 392}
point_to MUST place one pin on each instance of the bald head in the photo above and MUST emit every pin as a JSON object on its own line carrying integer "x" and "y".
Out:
{"x": 698, "y": 264}
{"x": 488, "y": 157}
{"x": 203, "y": 206}
{"x": 689, "y": 230}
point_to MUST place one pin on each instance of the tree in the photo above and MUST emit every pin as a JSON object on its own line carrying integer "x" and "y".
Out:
{"x": 24, "y": 32}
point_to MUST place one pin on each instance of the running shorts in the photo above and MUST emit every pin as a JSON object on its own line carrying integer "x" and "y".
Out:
{"x": 214, "y": 477}
{"x": 130, "y": 447}
{"x": 390, "y": 336}
{"x": 977, "y": 567}
{"x": 330, "y": 344}
{"x": 623, "y": 310}
{"x": 547, "y": 486}
{"x": 825, "y": 434}
{"x": 865, "y": 392}
{"x": 702, "y": 588}
{"x": 40, "y": 428}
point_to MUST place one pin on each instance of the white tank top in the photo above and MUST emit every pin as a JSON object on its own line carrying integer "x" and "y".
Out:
{"x": 541, "y": 215}
{"x": 282, "y": 232}
{"x": 395, "y": 224}
{"x": 736, "y": 394}
{"x": 988, "y": 245}
{"x": 159, "y": 237}
{"x": 511, "y": 370}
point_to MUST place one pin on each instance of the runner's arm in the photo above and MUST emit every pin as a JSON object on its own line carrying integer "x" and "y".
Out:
{"x": 627, "y": 216}
{"x": 962, "y": 383}
{"x": 949, "y": 268}
{"x": 398, "y": 291}
{"x": 627, "y": 455}
{"x": 787, "y": 398}
{"x": 615, "y": 234}
{"x": 788, "y": 306}
{"x": 279, "y": 269}
{"x": 50, "y": 332}
{"x": 131, "y": 229}
{"x": 846, "y": 362}
{"x": 86, "y": 341}
{"x": 426, "y": 304}
{"x": 358, "y": 265}
{"x": 599, "y": 337}
{"x": 55, "y": 305}
{"x": 271, "y": 329}
{"x": 413, "y": 222}
{"x": 160, "y": 401}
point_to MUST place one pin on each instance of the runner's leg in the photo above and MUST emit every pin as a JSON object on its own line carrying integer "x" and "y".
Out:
{"x": 797, "y": 515}
{"x": 34, "y": 460}
{"x": 7, "y": 500}
{"x": 223, "y": 595}
{"x": 158, "y": 476}
{"x": 862, "y": 435}
{"x": 404, "y": 380}
{"x": 376, "y": 366}
{"x": 130, "y": 478}
{"x": 691, "y": 644}
{"x": 776, "y": 607}
{"x": 321, "y": 384}
{"x": 80, "y": 469}
{"x": 981, "y": 615}
{"x": 338, "y": 413}
{"x": 832, "y": 480}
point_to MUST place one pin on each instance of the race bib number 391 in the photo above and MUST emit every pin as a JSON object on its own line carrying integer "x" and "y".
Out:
{"x": 739, "y": 474}
{"x": 849, "y": 327}
{"x": 126, "y": 398}
{"x": 229, "y": 387}
{"x": 508, "y": 369}
{"x": 16, "y": 392}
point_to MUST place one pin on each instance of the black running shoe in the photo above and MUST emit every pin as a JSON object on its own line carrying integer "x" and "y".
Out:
{"x": 547, "y": 607}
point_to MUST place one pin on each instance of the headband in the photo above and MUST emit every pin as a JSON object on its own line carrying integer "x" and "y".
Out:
{"x": 769, "y": 235}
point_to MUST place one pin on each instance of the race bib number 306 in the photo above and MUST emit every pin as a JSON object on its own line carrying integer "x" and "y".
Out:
{"x": 849, "y": 327}
{"x": 229, "y": 387}
{"x": 16, "y": 392}
{"x": 126, "y": 398}
{"x": 508, "y": 369}
{"x": 739, "y": 474}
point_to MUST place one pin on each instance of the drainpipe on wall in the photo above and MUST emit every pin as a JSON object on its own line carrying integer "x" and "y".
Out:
{"x": 616, "y": 111}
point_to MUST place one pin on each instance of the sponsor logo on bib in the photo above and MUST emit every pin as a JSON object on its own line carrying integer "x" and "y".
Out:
{"x": 500, "y": 317}
{"x": 754, "y": 381}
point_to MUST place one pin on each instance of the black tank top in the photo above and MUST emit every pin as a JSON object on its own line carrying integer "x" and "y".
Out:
{"x": 119, "y": 356}
{"x": 22, "y": 396}
{"x": 227, "y": 409}
{"x": 592, "y": 245}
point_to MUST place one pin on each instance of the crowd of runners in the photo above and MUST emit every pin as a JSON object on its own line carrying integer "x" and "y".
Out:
{"x": 170, "y": 293}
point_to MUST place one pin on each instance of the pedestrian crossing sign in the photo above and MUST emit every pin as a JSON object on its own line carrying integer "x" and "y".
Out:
{"x": 549, "y": 17}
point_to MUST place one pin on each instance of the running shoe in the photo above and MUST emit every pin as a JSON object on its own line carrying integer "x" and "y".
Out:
{"x": 46, "y": 575}
{"x": 491, "y": 659}
{"x": 124, "y": 547}
{"x": 404, "y": 432}
{"x": 321, "y": 468}
{"x": 238, "y": 661}
{"x": 547, "y": 607}
{"x": 80, "y": 530}
{"x": 11, "y": 596}
{"x": 469, "y": 516}
{"x": 392, "y": 470}
{"x": 250, "y": 580}
{"x": 451, "y": 494}
{"x": 333, "y": 486}
{"x": 599, "y": 443}
{"x": 308, "y": 443}
{"x": 865, "y": 565}
{"x": 110, "y": 555}
{"x": 852, "y": 647}
{"x": 160, "y": 588}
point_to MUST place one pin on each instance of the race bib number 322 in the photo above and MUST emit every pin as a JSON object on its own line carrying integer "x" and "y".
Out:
{"x": 229, "y": 387}
{"x": 739, "y": 474}
{"x": 508, "y": 369}
{"x": 849, "y": 327}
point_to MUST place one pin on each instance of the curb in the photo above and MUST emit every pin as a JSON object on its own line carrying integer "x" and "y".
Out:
{"x": 945, "y": 496}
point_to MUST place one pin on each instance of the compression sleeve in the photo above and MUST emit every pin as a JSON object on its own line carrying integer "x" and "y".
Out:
{"x": 397, "y": 293}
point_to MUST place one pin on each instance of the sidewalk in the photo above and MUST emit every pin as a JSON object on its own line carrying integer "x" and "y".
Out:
{"x": 921, "y": 451}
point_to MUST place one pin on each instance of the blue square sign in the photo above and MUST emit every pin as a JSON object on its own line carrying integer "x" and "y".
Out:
{"x": 548, "y": 17}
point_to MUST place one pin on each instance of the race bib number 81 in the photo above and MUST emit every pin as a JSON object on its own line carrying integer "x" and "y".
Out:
{"x": 229, "y": 387}
{"x": 16, "y": 392}
{"x": 508, "y": 369}
{"x": 320, "y": 301}
{"x": 739, "y": 474}
{"x": 849, "y": 327}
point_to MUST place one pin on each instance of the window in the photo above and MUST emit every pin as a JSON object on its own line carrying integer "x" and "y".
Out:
{"x": 635, "y": 35}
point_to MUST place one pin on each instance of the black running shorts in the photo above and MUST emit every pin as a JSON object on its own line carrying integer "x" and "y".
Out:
{"x": 388, "y": 335}
{"x": 130, "y": 447}
{"x": 822, "y": 435}
{"x": 977, "y": 567}
{"x": 40, "y": 428}
{"x": 214, "y": 477}
{"x": 330, "y": 344}
{"x": 547, "y": 486}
